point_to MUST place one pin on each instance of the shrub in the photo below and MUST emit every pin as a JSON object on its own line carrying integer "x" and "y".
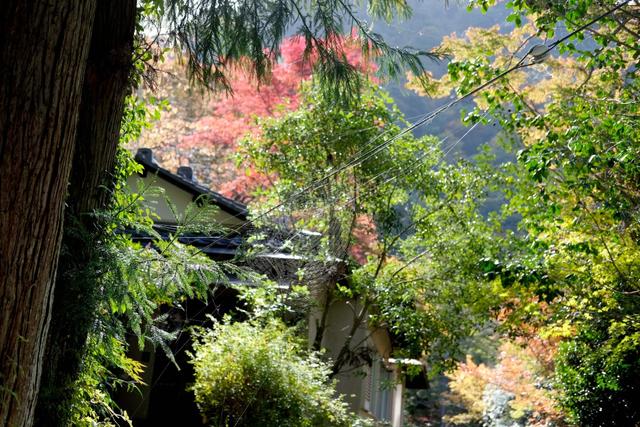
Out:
{"x": 598, "y": 374}
{"x": 248, "y": 374}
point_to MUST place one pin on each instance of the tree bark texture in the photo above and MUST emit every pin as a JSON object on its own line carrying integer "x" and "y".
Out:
{"x": 77, "y": 292}
{"x": 106, "y": 85}
{"x": 43, "y": 50}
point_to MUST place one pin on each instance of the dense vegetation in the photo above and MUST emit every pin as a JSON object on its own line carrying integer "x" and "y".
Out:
{"x": 563, "y": 282}
{"x": 387, "y": 213}
{"x": 86, "y": 57}
{"x": 539, "y": 256}
{"x": 250, "y": 374}
{"x": 573, "y": 121}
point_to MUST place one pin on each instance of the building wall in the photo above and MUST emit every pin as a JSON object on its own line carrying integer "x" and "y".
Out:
{"x": 159, "y": 190}
{"x": 339, "y": 321}
{"x": 375, "y": 390}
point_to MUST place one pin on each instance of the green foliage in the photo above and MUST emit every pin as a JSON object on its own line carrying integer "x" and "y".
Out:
{"x": 410, "y": 224}
{"x": 252, "y": 374}
{"x": 431, "y": 295}
{"x": 321, "y": 134}
{"x": 131, "y": 281}
{"x": 573, "y": 270}
{"x": 598, "y": 374}
{"x": 248, "y": 33}
{"x": 127, "y": 281}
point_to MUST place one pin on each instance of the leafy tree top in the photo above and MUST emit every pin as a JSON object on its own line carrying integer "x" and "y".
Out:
{"x": 249, "y": 33}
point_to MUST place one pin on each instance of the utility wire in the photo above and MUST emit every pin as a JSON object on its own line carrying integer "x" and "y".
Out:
{"x": 427, "y": 119}
{"x": 534, "y": 57}
{"x": 403, "y": 172}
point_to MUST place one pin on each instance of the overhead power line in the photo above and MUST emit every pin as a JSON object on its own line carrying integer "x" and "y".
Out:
{"x": 533, "y": 57}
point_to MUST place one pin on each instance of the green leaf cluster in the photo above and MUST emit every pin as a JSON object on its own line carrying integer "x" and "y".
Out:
{"x": 425, "y": 233}
{"x": 131, "y": 282}
{"x": 572, "y": 270}
{"x": 260, "y": 374}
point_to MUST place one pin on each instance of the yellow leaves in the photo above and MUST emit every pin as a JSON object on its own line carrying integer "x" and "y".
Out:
{"x": 499, "y": 290}
{"x": 476, "y": 41}
{"x": 134, "y": 369}
{"x": 430, "y": 86}
{"x": 467, "y": 385}
{"x": 563, "y": 329}
{"x": 552, "y": 79}
{"x": 520, "y": 371}
{"x": 487, "y": 51}
{"x": 532, "y": 135}
{"x": 484, "y": 45}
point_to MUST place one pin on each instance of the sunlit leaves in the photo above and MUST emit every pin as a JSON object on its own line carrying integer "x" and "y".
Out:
{"x": 573, "y": 272}
{"x": 219, "y": 35}
{"x": 250, "y": 374}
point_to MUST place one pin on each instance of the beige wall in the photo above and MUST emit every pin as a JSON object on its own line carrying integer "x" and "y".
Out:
{"x": 356, "y": 385}
{"x": 339, "y": 321}
{"x": 181, "y": 199}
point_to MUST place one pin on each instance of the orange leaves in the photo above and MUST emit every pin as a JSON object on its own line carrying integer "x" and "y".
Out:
{"x": 244, "y": 185}
{"x": 203, "y": 129}
{"x": 523, "y": 371}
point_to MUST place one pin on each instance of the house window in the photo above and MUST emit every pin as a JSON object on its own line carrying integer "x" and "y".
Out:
{"x": 377, "y": 391}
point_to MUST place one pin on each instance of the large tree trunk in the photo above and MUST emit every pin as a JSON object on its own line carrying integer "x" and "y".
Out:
{"x": 106, "y": 84}
{"x": 77, "y": 290}
{"x": 43, "y": 51}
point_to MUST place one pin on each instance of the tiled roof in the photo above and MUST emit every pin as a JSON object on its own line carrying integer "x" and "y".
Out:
{"x": 214, "y": 246}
